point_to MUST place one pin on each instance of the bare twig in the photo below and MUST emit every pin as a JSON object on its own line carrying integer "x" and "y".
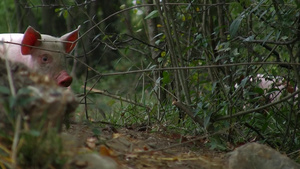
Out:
{"x": 16, "y": 140}
{"x": 18, "y": 118}
{"x": 269, "y": 42}
{"x": 137, "y": 6}
{"x": 116, "y": 97}
{"x": 259, "y": 108}
{"x": 259, "y": 134}
{"x": 178, "y": 52}
{"x": 197, "y": 67}
{"x": 188, "y": 112}
{"x": 169, "y": 40}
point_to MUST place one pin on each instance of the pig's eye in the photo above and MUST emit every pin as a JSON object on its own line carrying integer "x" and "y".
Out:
{"x": 44, "y": 59}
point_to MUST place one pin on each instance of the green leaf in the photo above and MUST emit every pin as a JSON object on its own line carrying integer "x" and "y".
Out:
{"x": 152, "y": 15}
{"x": 250, "y": 38}
{"x": 153, "y": 67}
{"x": 96, "y": 131}
{"x": 235, "y": 26}
{"x": 258, "y": 90}
{"x": 267, "y": 37}
{"x": 207, "y": 116}
{"x": 278, "y": 35}
{"x": 34, "y": 133}
{"x": 65, "y": 14}
{"x": 235, "y": 52}
{"x": 24, "y": 91}
{"x": 257, "y": 6}
{"x": 4, "y": 90}
{"x": 244, "y": 81}
{"x": 24, "y": 102}
{"x": 123, "y": 6}
{"x": 12, "y": 101}
{"x": 166, "y": 78}
{"x": 57, "y": 9}
{"x": 214, "y": 87}
{"x": 216, "y": 143}
{"x": 160, "y": 59}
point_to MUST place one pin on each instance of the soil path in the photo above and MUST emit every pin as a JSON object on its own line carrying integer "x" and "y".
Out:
{"x": 139, "y": 148}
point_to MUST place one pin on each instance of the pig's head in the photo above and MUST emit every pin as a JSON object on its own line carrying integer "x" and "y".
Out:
{"x": 48, "y": 53}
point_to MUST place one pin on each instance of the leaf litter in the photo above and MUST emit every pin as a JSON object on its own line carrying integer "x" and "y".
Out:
{"x": 130, "y": 148}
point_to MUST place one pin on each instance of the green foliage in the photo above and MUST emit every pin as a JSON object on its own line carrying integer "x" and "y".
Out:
{"x": 216, "y": 144}
{"x": 37, "y": 144}
{"x": 189, "y": 35}
{"x": 235, "y": 26}
{"x": 214, "y": 93}
{"x": 152, "y": 15}
{"x": 41, "y": 150}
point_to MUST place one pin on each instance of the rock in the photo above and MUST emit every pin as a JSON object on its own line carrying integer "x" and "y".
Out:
{"x": 93, "y": 161}
{"x": 254, "y": 155}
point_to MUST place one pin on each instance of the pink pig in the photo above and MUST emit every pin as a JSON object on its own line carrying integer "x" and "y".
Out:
{"x": 42, "y": 53}
{"x": 270, "y": 82}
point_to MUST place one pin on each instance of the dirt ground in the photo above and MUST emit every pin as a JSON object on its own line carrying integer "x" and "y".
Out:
{"x": 140, "y": 148}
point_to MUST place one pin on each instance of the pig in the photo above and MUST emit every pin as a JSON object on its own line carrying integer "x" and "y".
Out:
{"x": 40, "y": 52}
{"x": 275, "y": 83}
{"x": 267, "y": 83}
{"x": 278, "y": 83}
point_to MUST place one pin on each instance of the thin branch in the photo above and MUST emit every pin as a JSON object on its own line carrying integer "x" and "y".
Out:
{"x": 18, "y": 118}
{"x": 195, "y": 67}
{"x": 259, "y": 108}
{"x": 259, "y": 134}
{"x": 116, "y": 97}
{"x": 269, "y": 42}
{"x": 145, "y": 43}
{"x": 189, "y": 112}
{"x": 166, "y": 26}
{"x": 139, "y": 6}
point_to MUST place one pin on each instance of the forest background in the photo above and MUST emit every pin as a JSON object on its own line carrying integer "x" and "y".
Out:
{"x": 184, "y": 65}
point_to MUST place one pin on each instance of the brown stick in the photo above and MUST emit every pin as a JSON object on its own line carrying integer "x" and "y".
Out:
{"x": 189, "y": 112}
{"x": 259, "y": 108}
{"x": 116, "y": 97}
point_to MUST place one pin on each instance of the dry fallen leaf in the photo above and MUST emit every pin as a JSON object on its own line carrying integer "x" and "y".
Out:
{"x": 91, "y": 142}
{"x": 116, "y": 135}
{"x": 105, "y": 151}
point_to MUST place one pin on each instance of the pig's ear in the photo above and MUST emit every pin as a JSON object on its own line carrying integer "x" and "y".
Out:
{"x": 31, "y": 38}
{"x": 70, "y": 40}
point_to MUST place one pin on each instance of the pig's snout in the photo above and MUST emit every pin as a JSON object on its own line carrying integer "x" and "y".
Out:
{"x": 64, "y": 79}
